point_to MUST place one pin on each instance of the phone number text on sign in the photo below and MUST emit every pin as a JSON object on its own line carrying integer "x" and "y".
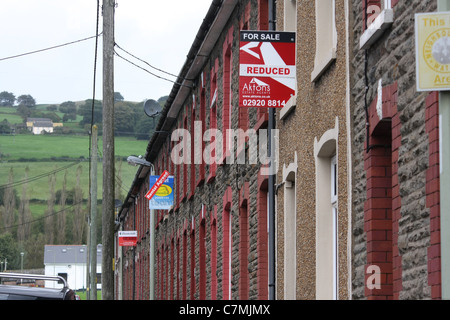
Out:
{"x": 263, "y": 103}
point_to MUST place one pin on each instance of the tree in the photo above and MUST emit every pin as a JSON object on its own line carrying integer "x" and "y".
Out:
{"x": 79, "y": 220}
{"x": 5, "y": 127}
{"x": 9, "y": 202}
{"x": 61, "y": 218}
{"x": 69, "y": 116}
{"x": 68, "y": 107}
{"x": 52, "y": 107}
{"x": 49, "y": 227}
{"x": 26, "y": 100}
{"x": 123, "y": 119}
{"x": 23, "y": 111}
{"x": 24, "y": 228}
{"x": 10, "y": 251}
{"x": 118, "y": 96}
{"x": 34, "y": 251}
{"x": 7, "y": 99}
{"x": 85, "y": 110}
{"x": 144, "y": 127}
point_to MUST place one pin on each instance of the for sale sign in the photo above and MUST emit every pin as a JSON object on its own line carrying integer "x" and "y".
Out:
{"x": 127, "y": 238}
{"x": 156, "y": 185}
{"x": 267, "y": 76}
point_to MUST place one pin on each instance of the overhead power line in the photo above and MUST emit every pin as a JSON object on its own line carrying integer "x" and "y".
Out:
{"x": 43, "y": 217}
{"x": 43, "y": 175}
{"x": 49, "y": 48}
{"x": 160, "y": 70}
{"x": 146, "y": 70}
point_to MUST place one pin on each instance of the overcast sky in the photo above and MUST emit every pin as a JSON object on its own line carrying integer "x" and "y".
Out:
{"x": 159, "y": 32}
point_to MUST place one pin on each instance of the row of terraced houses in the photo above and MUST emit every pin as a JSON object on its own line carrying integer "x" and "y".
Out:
{"x": 354, "y": 208}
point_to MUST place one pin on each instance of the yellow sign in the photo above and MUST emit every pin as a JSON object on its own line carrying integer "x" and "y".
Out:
{"x": 432, "y": 51}
{"x": 164, "y": 190}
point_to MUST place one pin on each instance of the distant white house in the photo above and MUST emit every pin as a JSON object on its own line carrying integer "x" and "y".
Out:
{"x": 39, "y": 125}
{"x": 69, "y": 261}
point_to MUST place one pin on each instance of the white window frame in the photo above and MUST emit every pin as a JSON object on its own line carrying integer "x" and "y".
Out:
{"x": 290, "y": 15}
{"x": 326, "y": 37}
{"x": 290, "y": 24}
{"x": 334, "y": 213}
{"x": 290, "y": 235}
{"x": 325, "y": 154}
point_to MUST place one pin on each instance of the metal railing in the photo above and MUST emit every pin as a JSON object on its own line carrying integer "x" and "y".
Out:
{"x": 33, "y": 276}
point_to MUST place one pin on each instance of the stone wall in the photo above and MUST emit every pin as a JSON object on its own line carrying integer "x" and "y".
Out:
{"x": 391, "y": 58}
{"x": 242, "y": 179}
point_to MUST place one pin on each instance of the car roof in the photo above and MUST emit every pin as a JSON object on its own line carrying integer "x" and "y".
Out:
{"x": 24, "y": 292}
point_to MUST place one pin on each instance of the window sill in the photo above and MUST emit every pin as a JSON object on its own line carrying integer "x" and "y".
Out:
{"x": 321, "y": 66}
{"x": 288, "y": 107}
{"x": 376, "y": 29}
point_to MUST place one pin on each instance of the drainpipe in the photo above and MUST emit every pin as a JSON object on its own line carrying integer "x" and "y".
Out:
{"x": 444, "y": 150}
{"x": 271, "y": 183}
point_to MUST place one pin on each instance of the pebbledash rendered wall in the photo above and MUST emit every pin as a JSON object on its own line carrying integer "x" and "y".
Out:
{"x": 313, "y": 255}
{"x": 213, "y": 243}
{"x": 395, "y": 225}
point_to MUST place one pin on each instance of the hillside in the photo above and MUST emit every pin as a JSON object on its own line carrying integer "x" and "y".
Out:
{"x": 46, "y": 170}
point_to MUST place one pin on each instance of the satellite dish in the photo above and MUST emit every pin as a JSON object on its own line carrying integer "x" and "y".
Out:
{"x": 151, "y": 108}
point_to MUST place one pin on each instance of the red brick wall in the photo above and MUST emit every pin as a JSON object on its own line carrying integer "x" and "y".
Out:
{"x": 433, "y": 194}
{"x": 262, "y": 240}
{"x": 383, "y": 204}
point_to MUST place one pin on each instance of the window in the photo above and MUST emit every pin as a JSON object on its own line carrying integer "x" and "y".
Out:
{"x": 290, "y": 15}
{"x": 184, "y": 276}
{"x": 201, "y": 167}
{"x": 192, "y": 295}
{"x": 214, "y": 144}
{"x": 226, "y": 245}
{"x": 186, "y": 155}
{"x": 290, "y": 232}
{"x": 244, "y": 276}
{"x": 325, "y": 153}
{"x": 178, "y": 270}
{"x": 326, "y": 37}
{"x": 64, "y": 275}
{"x": 193, "y": 142}
{"x": 202, "y": 255}
{"x": 334, "y": 216}
{"x": 227, "y": 109}
{"x": 214, "y": 254}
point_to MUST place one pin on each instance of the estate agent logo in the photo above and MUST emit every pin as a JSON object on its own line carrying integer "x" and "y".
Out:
{"x": 432, "y": 51}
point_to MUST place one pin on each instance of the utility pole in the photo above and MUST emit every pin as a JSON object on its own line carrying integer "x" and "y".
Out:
{"x": 108, "y": 152}
{"x": 93, "y": 228}
{"x": 152, "y": 246}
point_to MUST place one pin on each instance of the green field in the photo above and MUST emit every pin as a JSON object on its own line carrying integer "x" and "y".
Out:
{"x": 45, "y": 154}
{"x": 10, "y": 115}
{"x": 42, "y": 147}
